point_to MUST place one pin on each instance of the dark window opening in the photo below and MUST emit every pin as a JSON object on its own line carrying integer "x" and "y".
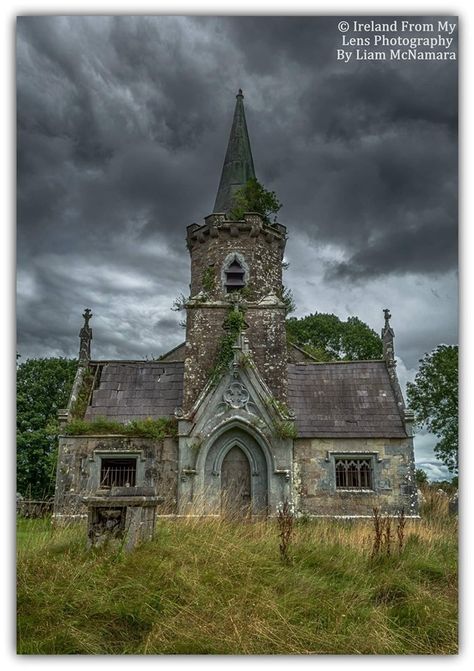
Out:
{"x": 354, "y": 473}
{"x": 234, "y": 277}
{"x": 118, "y": 473}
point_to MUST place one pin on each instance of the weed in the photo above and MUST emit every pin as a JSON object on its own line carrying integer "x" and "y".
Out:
{"x": 209, "y": 279}
{"x": 285, "y": 527}
{"x": 78, "y": 409}
{"x": 286, "y": 429}
{"x": 401, "y": 524}
{"x": 233, "y": 324}
{"x": 378, "y": 532}
{"x": 157, "y": 429}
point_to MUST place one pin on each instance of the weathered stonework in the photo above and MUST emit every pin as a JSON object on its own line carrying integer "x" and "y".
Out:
{"x": 78, "y": 472}
{"x": 259, "y": 248}
{"x": 315, "y": 481}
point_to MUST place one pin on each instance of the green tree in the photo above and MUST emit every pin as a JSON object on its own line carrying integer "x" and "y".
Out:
{"x": 253, "y": 197}
{"x": 421, "y": 478}
{"x": 433, "y": 396}
{"x": 43, "y": 386}
{"x": 327, "y": 338}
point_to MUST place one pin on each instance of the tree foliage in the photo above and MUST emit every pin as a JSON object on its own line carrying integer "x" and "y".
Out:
{"x": 421, "y": 477}
{"x": 43, "y": 386}
{"x": 327, "y": 338}
{"x": 253, "y": 197}
{"x": 433, "y": 396}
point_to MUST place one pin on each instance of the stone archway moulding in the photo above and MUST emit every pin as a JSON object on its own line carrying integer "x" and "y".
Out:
{"x": 246, "y": 428}
{"x": 234, "y": 442}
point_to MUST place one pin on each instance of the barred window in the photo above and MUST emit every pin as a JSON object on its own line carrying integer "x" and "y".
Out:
{"x": 354, "y": 473}
{"x": 118, "y": 472}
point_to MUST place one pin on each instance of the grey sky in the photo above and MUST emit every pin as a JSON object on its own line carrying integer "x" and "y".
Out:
{"x": 122, "y": 128}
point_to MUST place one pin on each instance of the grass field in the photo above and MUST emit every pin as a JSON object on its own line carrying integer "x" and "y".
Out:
{"x": 215, "y": 587}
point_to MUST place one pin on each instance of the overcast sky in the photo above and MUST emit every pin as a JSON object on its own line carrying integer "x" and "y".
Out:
{"x": 123, "y": 124}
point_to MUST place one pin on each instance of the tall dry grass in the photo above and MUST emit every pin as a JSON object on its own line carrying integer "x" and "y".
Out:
{"x": 216, "y": 586}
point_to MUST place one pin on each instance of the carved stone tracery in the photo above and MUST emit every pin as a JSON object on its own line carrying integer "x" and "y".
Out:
{"x": 236, "y": 395}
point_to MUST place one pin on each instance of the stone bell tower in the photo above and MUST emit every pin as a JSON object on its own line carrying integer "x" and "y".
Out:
{"x": 235, "y": 265}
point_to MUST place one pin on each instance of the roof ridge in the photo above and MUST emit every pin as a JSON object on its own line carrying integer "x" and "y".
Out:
{"x": 330, "y": 363}
{"x": 143, "y": 361}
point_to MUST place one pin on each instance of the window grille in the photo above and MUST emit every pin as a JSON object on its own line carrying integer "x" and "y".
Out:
{"x": 234, "y": 277}
{"x": 354, "y": 473}
{"x": 118, "y": 473}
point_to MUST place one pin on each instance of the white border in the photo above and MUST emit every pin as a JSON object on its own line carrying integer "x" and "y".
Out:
{"x": 9, "y": 10}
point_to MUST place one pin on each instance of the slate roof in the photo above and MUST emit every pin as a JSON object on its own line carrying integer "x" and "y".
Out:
{"x": 344, "y": 400}
{"x": 338, "y": 400}
{"x": 137, "y": 390}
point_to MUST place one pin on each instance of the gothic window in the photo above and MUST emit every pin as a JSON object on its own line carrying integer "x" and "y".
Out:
{"x": 354, "y": 473}
{"x": 117, "y": 472}
{"x": 234, "y": 277}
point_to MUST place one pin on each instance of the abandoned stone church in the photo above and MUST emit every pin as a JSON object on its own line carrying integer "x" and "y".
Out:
{"x": 253, "y": 420}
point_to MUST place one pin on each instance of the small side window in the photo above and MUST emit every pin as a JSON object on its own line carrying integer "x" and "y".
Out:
{"x": 118, "y": 473}
{"x": 354, "y": 472}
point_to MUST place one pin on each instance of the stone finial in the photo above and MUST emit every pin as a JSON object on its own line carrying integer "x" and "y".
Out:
{"x": 387, "y": 340}
{"x": 85, "y": 336}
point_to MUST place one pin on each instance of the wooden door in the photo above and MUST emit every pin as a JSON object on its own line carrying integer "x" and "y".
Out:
{"x": 236, "y": 495}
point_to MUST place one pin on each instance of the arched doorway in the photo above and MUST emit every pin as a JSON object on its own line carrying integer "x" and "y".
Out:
{"x": 236, "y": 492}
{"x": 235, "y": 470}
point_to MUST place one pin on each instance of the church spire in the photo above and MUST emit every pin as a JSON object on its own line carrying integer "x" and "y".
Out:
{"x": 238, "y": 163}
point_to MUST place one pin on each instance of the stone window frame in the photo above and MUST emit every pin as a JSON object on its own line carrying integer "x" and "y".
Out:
{"x": 373, "y": 455}
{"x": 229, "y": 259}
{"x": 95, "y": 461}
{"x": 131, "y": 469}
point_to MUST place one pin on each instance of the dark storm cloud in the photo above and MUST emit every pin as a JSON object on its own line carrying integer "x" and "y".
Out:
{"x": 122, "y": 129}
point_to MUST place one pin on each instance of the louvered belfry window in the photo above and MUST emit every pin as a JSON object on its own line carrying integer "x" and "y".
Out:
{"x": 354, "y": 473}
{"x": 234, "y": 277}
{"x": 118, "y": 473}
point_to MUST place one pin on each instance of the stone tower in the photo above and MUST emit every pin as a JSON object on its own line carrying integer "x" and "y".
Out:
{"x": 235, "y": 265}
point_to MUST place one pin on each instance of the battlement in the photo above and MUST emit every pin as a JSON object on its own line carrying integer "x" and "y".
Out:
{"x": 219, "y": 225}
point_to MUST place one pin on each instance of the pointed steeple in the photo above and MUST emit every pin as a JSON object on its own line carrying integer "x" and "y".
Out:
{"x": 238, "y": 163}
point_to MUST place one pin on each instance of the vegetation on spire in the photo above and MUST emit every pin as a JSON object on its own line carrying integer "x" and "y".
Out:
{"x": 253, "y": 197}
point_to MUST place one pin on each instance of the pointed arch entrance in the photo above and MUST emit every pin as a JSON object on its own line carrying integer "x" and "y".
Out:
{"x": 236, "y": 475}
{"x": 236, "y": 489}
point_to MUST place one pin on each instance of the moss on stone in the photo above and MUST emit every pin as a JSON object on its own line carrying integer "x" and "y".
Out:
{"x": 157, "y": 429}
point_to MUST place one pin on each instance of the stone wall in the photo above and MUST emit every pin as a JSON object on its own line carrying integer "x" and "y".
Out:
{"x": 393, "y": 476}
{"x": 260, "y": 248}
{"x": 78, "y": 472}
{"x": 267, "y": 343}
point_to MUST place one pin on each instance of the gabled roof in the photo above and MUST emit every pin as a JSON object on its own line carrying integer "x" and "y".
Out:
{"x": 344, "y": 399}
{"x": 137, "y": 390}
{"x": 339, "y": 400}
{"x": 238, "y": 163}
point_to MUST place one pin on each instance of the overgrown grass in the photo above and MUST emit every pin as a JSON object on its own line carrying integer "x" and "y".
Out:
{"x": 217, "y": 587}
{"x": 156, "y": 429}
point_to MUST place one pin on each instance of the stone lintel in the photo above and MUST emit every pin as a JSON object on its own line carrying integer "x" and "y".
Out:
{"x": 119, "y": 501}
